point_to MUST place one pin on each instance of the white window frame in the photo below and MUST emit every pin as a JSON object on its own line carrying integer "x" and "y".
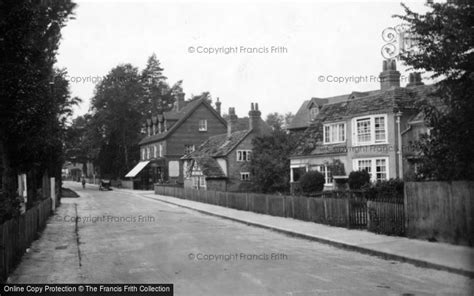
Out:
{"x": 328, "y": 140}
{"x": 245, "y": 176}
{"x": 203, "y": 125}
{"x": 147, "y": 152}
{"x": 373, "y": 166}
{"x": 160, "y": 150}
{"x": 143, "y": 154}
{"x": 372, "y": 141}
{"x": 243, "y": 155}
{"x": 154, "y": 151}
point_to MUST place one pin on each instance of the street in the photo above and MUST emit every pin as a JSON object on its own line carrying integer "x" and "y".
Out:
{"x": 127, "y": 237}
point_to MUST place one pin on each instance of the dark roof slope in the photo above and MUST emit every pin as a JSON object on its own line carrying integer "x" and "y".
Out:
{"x": 302, "y": 118}
{"x": 178, "y": 117}
{"x": 218, "y": 146}
{"x": 209, "y": 166}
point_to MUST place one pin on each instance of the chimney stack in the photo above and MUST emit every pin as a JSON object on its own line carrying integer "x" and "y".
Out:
{"x": 218, "y": 106}
{"x": 414, "y": 79}
{"x": 389, "y": 77}
{"x": 231, "y": 121}
{"x": 179, "y": 103}
{"x": 254, "y": 117}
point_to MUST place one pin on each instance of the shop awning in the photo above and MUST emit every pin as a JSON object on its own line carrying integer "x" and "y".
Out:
{"x": 138, "y": 168}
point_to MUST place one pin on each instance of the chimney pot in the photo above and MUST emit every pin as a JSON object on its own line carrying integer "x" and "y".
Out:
{"x": 389, "y": 77}
{"x": 218, "y": 106}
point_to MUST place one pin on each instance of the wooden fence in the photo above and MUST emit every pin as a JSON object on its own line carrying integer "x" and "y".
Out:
{"x": 18, "y": 233}
{"x": 440, "y": 211}
{"x": 351, "y": 209}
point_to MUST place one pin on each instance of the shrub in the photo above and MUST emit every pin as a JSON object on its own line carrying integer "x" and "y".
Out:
{"x": 358, "y": 179}
{"x": 311, "y": 182}
{"x": 392, "y": 188}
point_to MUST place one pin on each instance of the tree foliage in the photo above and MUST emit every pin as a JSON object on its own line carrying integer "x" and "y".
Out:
{"x": 358, "y": 179}
{"x": 444, "y": 38}
{"x": 109, "y": 135}
{"x": 312, "y": 182}
{"x": 270, "y": 164}
{"x": 35, "y": 99}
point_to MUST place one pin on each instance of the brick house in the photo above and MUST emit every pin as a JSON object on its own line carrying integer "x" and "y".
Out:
{"x": 371, "y": 130}
{"x": 221, "y": 163}
{"x": 171, "y": 135}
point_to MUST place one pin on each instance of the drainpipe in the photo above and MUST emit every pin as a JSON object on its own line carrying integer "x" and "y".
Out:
{"x": 399, "y": 150}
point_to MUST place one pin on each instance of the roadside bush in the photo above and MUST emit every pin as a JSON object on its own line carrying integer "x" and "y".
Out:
{"x": 312, "y": 182}
{"x": 358, "y": 179}
{"x": 392, "y": 188}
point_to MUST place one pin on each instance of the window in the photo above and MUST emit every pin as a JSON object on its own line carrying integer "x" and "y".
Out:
{"x": 243, "y": 155}
{"x": 195, "y": 182}
{"x": 313, "y": 112}
{"x": 202, "y": 125}
{"x": 154, "y": 151}
{"x": 160, "y": 150}
{"x": 376, "y": 167}
{"x": 326, "y": 171}
{"x": 370, "y": 130}
{"x": 188, "y": 149}
{"x": 334, "y": 133}
{"x": 143, "y": 153}
{"x": 245, "y": 176}
{"x": 147, "y": 152}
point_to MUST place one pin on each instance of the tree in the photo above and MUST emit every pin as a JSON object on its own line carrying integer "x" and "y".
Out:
{"x": 158, "y": 96}
{"x": 358, "y": 179}
{"x": 275, "y": 120}
{"x": 444, "y": 39}
{"x": 279, "y": 121}
{"x": 270, "y": 164}
{"x": 116, "y": 120}
{"x": 35, "y": 100}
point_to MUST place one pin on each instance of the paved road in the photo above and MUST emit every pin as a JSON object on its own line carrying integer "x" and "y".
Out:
{"x": 156, "y": 242}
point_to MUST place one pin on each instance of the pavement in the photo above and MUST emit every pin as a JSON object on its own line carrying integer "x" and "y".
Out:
{"x": 442, "y": 256}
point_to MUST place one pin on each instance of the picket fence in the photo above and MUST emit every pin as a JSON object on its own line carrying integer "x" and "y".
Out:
{"x": 17, "y": 234}
{"x": 350, "y": 209}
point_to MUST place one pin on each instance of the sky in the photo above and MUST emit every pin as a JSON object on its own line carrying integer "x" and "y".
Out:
{"x": 276, "y": 54}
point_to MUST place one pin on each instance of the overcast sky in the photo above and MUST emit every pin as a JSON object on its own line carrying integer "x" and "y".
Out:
{"x": 309, "y": 39}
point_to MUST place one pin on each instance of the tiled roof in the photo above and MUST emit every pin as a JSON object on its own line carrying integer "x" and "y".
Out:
{"x": 218, "y": 146}
{"x": 209, "y": 166}
{"x": 392, "y": 100}
{"x": 302, "y": 117}
{"x": 176, "y": 118}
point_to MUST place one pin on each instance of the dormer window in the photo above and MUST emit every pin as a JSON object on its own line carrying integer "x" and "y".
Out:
{"x": 313, "y": 112}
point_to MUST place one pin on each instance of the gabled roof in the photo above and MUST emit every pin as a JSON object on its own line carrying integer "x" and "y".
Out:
{"x": 218, "y": 146}
{"x": 392, "y": 100}
{"x": 302, "y": 118}
{"x": 178, "y": 117}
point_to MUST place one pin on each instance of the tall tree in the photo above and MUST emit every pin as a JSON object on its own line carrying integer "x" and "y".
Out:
{"x": 34, "y": 97}
{"x": 270, "y": 164}
{"x": 158, "y": 96}
{"x": 444, "y": 39}
{"x": 116, "y": 119}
